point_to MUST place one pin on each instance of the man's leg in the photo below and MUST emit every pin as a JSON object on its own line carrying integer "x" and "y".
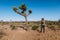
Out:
{"x": 41, "y": 29}
{"x": 44, "y": 29}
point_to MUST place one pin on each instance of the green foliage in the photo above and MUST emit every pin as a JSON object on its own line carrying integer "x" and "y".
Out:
{"x": 23, "y": 7}
{"x": 30, "y": 11}
{"x": 59, "y": 20}
{"x": 12, "y": 27}
{"x": 34, "y": 27}
{"x": 15, "y": 9}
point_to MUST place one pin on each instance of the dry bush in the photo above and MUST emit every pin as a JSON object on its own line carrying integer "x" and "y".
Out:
{"x": 34, "y": 27}
{"x": 52, "y": 27}
{"x": 13, "y": 27}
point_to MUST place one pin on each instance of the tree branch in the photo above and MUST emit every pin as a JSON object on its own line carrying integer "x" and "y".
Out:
{"x": 19, "y": 13}
{"x": 28, "y": 14}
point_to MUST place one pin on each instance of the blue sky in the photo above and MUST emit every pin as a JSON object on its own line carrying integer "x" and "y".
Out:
{"x": 48, "y": 9}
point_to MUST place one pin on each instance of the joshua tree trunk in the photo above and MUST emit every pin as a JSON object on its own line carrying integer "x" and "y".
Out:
{"x": 26, "y": 22}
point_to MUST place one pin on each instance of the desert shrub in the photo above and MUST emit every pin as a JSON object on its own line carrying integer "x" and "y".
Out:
{"x": 49, "y": 23}
{"x": 12, "y": 27}
{"x": 28, "y": 22}
{"x": 58, "y": 26}
{"x": 59, "y": 20}
{"x": 52, "y": 27}
{"x": 54, "y": 23}
{"x": 34, "y": 27}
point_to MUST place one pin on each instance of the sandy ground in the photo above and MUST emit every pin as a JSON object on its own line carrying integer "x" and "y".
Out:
{"x": 21, "y": 34}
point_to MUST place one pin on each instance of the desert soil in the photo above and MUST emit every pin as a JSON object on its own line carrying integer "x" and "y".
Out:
{"x": 21, "y": 34}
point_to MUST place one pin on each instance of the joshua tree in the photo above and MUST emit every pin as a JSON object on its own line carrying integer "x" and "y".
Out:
{"x": 23, "y": 13}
